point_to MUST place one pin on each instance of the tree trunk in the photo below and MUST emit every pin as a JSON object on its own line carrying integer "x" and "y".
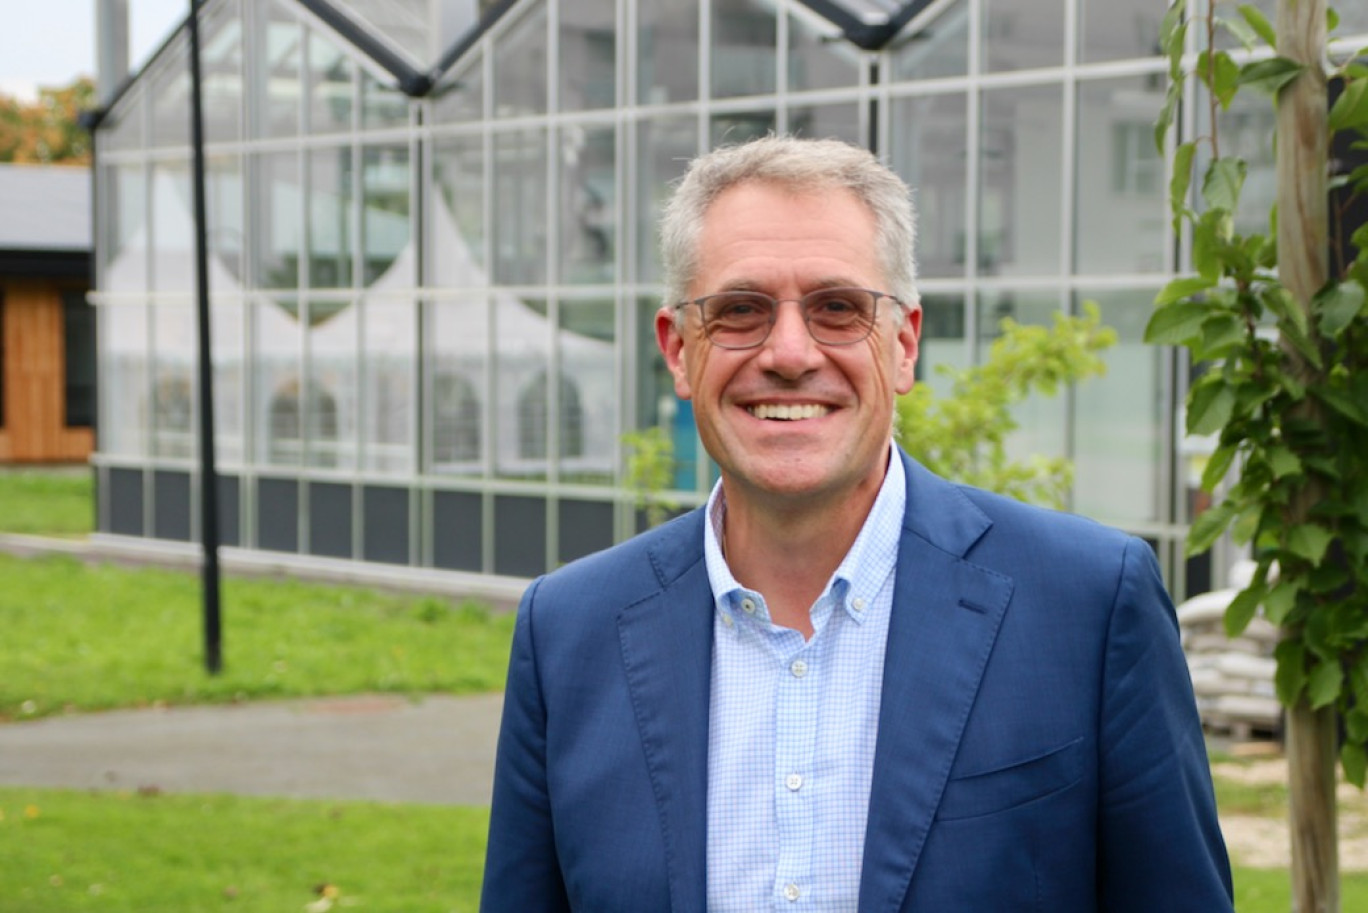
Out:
{"x": 1303, "y": 265}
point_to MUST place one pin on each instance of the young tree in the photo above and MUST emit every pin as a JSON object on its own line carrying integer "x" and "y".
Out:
{"x": 1285, "y": 338}
{"x": 47, "y": 131}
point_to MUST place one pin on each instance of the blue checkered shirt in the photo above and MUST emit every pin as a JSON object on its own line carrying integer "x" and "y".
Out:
{"x": 793, "y": 724}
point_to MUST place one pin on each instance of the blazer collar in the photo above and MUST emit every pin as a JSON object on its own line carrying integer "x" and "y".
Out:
{"x": 946, "y": 616}
{"x": 666, "y": 642}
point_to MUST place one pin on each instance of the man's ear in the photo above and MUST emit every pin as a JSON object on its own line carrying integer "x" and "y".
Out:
{"x": 671, "y": 343}
{"x": 909, "y": 336}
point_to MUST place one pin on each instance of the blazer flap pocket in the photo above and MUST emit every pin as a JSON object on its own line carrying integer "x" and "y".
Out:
{"x": 1008, "y": 786}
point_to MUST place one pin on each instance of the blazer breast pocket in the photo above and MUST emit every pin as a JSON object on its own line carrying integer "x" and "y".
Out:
{"x": 1013, "y": 784}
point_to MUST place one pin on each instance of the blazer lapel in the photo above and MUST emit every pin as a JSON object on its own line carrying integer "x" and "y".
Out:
{"x": 946, "y": 615}
{"x": 666, "y": 645}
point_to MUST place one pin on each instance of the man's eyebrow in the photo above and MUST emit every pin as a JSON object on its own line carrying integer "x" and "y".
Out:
{"x": 825, "y": 282}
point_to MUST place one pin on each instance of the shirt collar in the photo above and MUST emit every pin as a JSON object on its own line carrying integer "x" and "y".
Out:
{"x": 861, "y": 573}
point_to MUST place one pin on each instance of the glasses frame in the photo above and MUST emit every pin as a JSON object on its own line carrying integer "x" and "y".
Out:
{"x": 802, "y": 309}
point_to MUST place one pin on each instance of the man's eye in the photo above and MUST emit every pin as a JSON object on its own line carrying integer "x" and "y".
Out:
{"x": 739, "y": 308}
{"x": 835, "y": 305}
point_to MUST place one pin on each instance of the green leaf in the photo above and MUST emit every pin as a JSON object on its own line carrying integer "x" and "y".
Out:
{"x": 1338, "y": 305}
{"x": 1342, "y": 403}
{"x": 1220, "y": 331}
{"x": 1290, "y": 677}
{"x": 1220, "y": 74}
{"x": 1181, "y": 180}
{"x": 1210, "y": 240}
{"x": 1161, "y": 126}
{"x": 1309, "y": 541}
{"x": 1354, "y": 759}
{"x": 1217, "y": 466}
{"x": 1269, "y": 76}
{"x": 1222, "y": 184}
{"x": 1210, "y": 406}
{"x": 1241, "y": 610}
{"x": 1241, "y": 29}
{"x": 1280, "y": 600}
{"x": 1184, "y": 287}
{"x": 1295, "y": 332}
{"x": 1176, "y": 323}
{"x": 1208, "y": 526}
{"x": 1261, "y": 26}
{"x": 1283, "y": 462}
{"x": 1351, "y": 108}
{"x": 1323, "y": 685}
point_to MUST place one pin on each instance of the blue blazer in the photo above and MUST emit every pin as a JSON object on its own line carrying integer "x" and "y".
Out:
{"x": 1038, "y": 750}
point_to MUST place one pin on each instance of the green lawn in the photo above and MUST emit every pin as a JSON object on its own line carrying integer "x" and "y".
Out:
{"x": 87, "y": 637}
{"x": 68, "y": 851}
{"x": 47, "y": 502}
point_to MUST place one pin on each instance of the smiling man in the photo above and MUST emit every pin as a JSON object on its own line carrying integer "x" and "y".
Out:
{"x": 844, "y": 684}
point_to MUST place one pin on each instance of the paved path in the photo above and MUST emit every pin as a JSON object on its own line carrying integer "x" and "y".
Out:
{"x": 436, "y": 749}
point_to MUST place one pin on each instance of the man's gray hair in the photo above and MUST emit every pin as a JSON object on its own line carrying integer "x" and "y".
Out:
{"x": 797, "y": 165}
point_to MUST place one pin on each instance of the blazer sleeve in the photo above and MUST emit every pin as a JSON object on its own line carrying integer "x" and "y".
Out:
{"x": 522, "y": 871}
{"x": 1160, "y": 840}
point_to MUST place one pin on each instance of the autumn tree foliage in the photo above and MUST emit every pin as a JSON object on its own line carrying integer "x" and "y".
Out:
{"x": 47, "y": 131}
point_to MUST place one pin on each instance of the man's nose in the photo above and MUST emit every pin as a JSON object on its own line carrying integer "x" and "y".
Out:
{"x": 790, "y": 350}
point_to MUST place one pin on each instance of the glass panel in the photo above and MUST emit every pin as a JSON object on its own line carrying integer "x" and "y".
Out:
{"x": 1118, "y": 29}
{"x": 330, "y": 410}
{"x": 330, "y": 87}
{"x": 943, "y": 346}
{"x": 221, "y": 74}
{"x": 664, "y": 148}
{"x": 1022, "y": 34}
{"x": 390, "y": 363}
{"x": 124, "y": 224}
{"x": 173, "y": 228}
{"x": 124, "y": 355}
{"x": 382, "y": 105}
{"x": 170, "y": 93}
{"x": 667, "y": 52}
{"x": 588, "y": 243}
{"x": 1019, "y": 155}
{"x": 385, "y": 225}
{"x": 330, "y": 218}
{"x": 522, "y": 405}
{"x": 223, "y": 200}
{"x": 520, "y": 67}
{"x": 457, "y": 257}
{"x": 929, "y": 139}
{"x": 519, "y": 207}
{"x": 459, "y": 337}
{"x": 1040, "y": 420}
{"x": 741, "y": 126}
{"x": 1119, "y": 418}
{"x": 78, "y": 360}
{"x": 1121, "y": 191}
{"x": 278, "y": 385}
{"x": 229, "y": 417}
{"x": 839, "y": 121}
{"x": 278, "y": 232}
{"x": 818, "y": 58}
{"x": 589, "y": 396}
{"x": 276, "y": 67}
{"x": 407, "y": 25}
{"x": 122, "y": 128}
{"x": 460, "y": 97}
{"x": 173, "y": 381}
{"x": 941, "y": 48}
{"x": 588, "y": 55}
{"x": 744, "y": 48}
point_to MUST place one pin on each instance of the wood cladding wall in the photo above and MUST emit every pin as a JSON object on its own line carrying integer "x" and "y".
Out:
{"x": 34, "y": 363}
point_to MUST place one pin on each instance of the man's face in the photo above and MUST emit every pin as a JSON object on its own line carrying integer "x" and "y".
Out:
{"x": 792, "y": 419}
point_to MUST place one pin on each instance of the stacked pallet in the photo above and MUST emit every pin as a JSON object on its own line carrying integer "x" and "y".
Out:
{"x": 1232, "y": 677}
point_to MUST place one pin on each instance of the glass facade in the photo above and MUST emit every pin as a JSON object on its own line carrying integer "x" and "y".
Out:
{"x": 432, "y": 312}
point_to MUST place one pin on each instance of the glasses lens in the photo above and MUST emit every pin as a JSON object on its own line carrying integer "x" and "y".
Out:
{"x": 840, "y": 316}
{"x": 737, "y": 319}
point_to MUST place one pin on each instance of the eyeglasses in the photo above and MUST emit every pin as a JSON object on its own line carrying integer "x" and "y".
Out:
{"x": 833, "y": 316}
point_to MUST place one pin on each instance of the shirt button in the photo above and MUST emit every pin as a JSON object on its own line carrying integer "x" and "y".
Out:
{"x": 748, "y": 606}
{"x": 794, "y": 781}
{"x": 857, "y": 604}
{"x": 799, "y": 668}
{"x": 791, "y": 892}
{"x": 727, "y": 620}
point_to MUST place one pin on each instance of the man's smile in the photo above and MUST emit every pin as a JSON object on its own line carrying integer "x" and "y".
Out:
{"x": 788, "y": 412}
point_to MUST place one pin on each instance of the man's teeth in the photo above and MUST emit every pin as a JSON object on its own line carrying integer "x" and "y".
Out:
{"x": 788, "y": 413}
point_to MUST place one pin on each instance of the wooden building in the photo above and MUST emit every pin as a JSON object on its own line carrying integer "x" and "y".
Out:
{"x": 47, "y": 328}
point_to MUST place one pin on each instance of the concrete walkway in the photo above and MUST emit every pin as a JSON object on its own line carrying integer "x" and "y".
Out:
{"x": 436, "y": 749}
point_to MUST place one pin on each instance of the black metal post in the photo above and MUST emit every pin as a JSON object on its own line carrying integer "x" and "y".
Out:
{"x": 209, "y": 531}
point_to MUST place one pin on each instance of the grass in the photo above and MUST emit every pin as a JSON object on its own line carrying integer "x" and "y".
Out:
{"x": 47, "y": 502}
{"x": 67, "y": 851}
{"x": 83, "y": 637}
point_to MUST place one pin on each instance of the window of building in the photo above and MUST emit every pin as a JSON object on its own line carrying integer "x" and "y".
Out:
{"x": 78, "y": 327}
